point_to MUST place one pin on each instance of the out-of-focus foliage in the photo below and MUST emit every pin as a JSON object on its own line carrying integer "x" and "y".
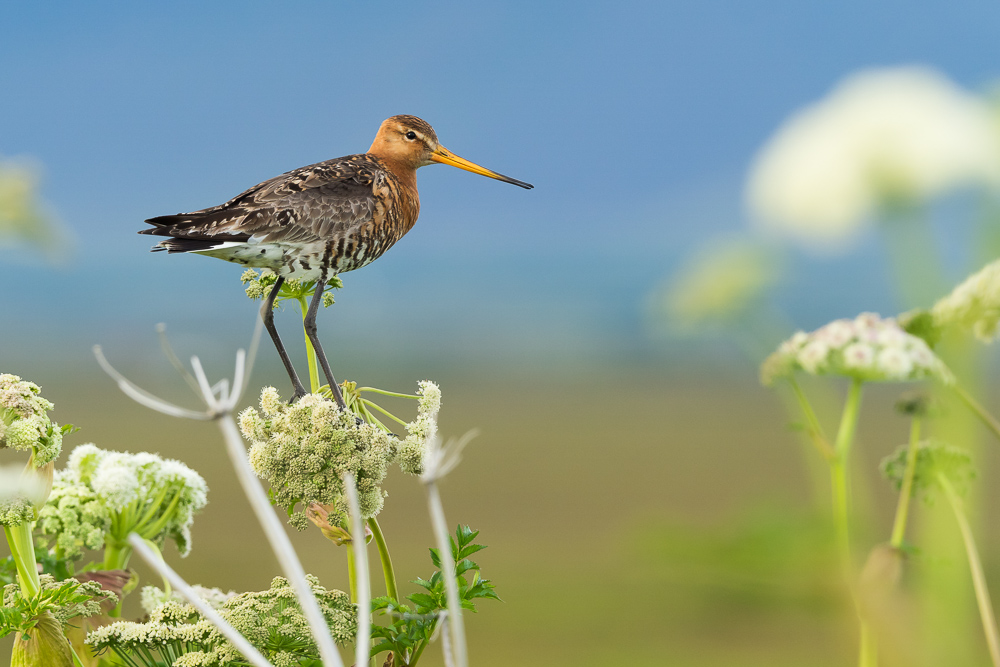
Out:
{"x": 888, "y": 137}
{"x": 716, "y": 287}
{"x": 24, "y": 220}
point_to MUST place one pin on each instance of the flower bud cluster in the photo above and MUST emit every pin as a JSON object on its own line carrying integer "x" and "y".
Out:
{"x": 303, "y": 450}
{"x": 421, "y": 430}
{"x": 259, "y": 285}
{"x": 866, "y": 348}
{"x": 104, "y": 495}
{"x": 24, "y": 424}
{"x": 974, "y": 304}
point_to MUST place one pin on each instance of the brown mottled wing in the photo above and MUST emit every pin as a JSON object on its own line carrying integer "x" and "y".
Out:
{"x": 323, "y": 201}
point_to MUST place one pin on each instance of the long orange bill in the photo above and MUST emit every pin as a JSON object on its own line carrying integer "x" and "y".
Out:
{"x": 445, "y": 156}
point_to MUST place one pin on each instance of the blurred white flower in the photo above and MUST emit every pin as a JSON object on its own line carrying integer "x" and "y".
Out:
{"x": 718, "y": 285}
{"x": 882, "y": 136}
{"x": 974, "y": 304}
{"x": 866, "y": 348}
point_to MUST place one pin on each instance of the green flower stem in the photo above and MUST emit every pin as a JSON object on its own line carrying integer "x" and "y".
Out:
{"x": 841, "y": 513}
{"x": 116, "y": 555}
{"x": 976, "y": 567}
{"x": 988, "y": 420}
{"x": 388, "y": 414}
{"x": 352, "y": 574}
{"x": 310, "y": 352}
{"x": 906, "y": 489}
{"x": 22, "y": 548}
{"x": 388, "y": 393}
{"x": 383, "y": 554}
{"x": 815, "y": 430}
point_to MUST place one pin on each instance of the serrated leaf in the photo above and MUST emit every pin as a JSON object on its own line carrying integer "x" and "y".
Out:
{"x": 465, "y": 534}
{"x": 470, "y": 549}
{"x": 464, "y": 566}
{"x": 435, "y": 558}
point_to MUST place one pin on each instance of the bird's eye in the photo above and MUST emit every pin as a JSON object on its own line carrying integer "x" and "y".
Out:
{"x": 411, "y": 135}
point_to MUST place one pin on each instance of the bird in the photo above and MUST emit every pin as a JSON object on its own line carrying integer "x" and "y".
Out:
{"x": 318, "y": 221}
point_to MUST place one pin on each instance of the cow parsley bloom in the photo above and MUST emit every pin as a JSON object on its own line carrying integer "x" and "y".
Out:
{"x": 24, "y": 422}
{"x": 303, "y": 450}
{"x": 866, "y": 348}
{"x": 882, "y": 136}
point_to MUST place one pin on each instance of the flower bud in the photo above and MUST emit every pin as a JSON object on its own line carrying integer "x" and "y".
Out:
{"x": 44, "y": 645}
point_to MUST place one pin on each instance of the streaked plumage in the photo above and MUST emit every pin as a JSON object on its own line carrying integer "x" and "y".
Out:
{"x": 317, "y": 221}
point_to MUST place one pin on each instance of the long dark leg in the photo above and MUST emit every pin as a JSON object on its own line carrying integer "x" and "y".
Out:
{"x": 267, "y": 314}
{"x": 310, "y": 325}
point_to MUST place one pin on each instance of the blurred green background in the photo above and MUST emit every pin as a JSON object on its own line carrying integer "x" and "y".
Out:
{"x": 644, "y": 499}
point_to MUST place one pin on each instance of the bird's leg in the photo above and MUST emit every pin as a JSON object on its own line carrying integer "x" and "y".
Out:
{"x": 310, "y": 325}
{"x": 267, "y": 314}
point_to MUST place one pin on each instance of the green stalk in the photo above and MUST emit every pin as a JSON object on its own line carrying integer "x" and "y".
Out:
{"x": 976, "y": 567}
{"x": 977, "y": 409}
{"x": 383, "y": 554}
{"x": 841, "y": 514}
{"x": 352, "y": 575}
{"x": 906, "y": 489}
{"x": 815, "y": 430}
{"x": 383, "y": 411}
{"x": 310, "y": 352}
{"x": 76, "y": 659}
{"x": 22, "y": 548}
{"x": 388, "y": 393}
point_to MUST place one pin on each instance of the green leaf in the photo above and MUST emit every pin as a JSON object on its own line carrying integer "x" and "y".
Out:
{"x": 467, "y": 551}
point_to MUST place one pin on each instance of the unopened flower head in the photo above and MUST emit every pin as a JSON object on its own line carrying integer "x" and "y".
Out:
{"x": 154, "y": 496}
{"x": 881, "y": 137}
{"x": 75, "y": 515}
{"x": 259, "y": 286}
{"x": 413, "y": 449}
{"x": 303, "y": 450}
{"x": 974, "y": 304}
{"x": 867, "y": 348}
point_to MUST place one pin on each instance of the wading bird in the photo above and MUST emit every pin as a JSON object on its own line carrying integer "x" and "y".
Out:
{"x": 317, "y": 221}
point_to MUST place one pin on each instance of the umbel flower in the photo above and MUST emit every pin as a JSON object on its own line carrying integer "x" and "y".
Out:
{"x": 421, "y": 430}
{"x": 271, "y": 620}
{"x": 882, "y": 137}
{"x": 151, "y": 598}
{"x": 102, "y": 496}
{"x": 866, "y": 348}
{"x": 303, "y": 450}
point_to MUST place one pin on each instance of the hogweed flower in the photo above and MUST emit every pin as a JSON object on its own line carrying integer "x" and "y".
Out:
{"x": 303, "y": 450}
{"x": 420, "y": 431}
{"x": 152, "y": 598}
{"x": 867, "y": 348}
{"x": 103, "y": 496}
{"x": 882, "y": 137}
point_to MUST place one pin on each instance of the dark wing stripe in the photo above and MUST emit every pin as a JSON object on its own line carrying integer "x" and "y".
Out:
{"x": 321, "y": 201}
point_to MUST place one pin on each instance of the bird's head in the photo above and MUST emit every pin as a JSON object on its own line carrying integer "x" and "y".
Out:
{"x": 412, "y": 142}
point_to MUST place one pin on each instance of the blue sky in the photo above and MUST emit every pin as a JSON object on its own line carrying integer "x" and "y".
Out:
{"x": 636, "y": 122}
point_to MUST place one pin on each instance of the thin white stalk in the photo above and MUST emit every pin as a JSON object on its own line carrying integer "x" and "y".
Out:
{"x": 360, "y": 546}
{"x": 142, "y": 396}
{"x": 229, "y": 632}
{"x": 443, "y": 538}
{"x": 446, "y": 644}
{"x": 280, "y": 544}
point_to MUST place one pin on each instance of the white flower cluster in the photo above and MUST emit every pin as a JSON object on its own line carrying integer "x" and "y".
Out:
{"x": 152, "y": 496}
{"x": 152, "y": 598}
{"x": 271, "y": 620}
{"x": 975, "y": 304}
{"x": 866, "y": 348}
{"x": 24, "y": 424}
{"x": 303, "y": 450}
{"x": 890, "y": 135}
{"x": 421, "y": 430}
